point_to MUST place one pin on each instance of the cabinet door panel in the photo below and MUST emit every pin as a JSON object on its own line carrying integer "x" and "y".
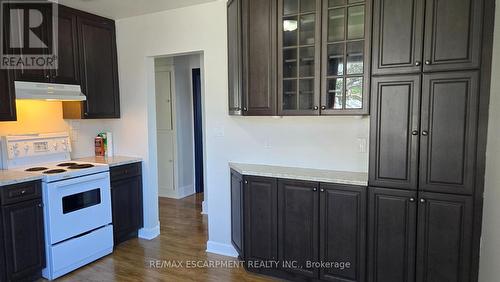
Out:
{"x": 449, "y": 125}
{"x": 391, "y": 235}
{"x": 260, "y": 218}
{"x": 298, "y": 225}
{"x": 99, "y": 67}
{"x": 259, "y": 57}
{"x": 394, "y": 121}
{"x": 7, "y": 97}
{"x": 126, "y": 198}
{"x": 444, "y": 238}
{"x": 342, "y": 231}
{"x": 237, "y": 212}
{"x": 452, "y": 34}
{"x": 67, "y": 71}
{"x": 24, "y": 239}
{"x": 234, "y": 57}
{"x": 397, "y": 36}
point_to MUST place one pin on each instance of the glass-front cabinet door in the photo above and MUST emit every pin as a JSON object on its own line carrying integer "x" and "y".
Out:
{"x": 345, "y": 52}
{"x": 299, "y": 43}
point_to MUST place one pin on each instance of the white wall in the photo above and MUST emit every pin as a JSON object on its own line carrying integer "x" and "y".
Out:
{"x": 490, "y": 247}
{"x": 317, "y": 142}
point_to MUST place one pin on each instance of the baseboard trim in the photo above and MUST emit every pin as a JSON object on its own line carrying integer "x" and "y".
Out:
{"x": 221, "y": 249}
{"x": 150, "y": 233}
{"x": 186, "y": 191}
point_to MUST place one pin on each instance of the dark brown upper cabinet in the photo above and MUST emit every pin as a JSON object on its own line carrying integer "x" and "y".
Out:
{"x": 7, "y": 96}
{"x": 392, "y": 225}
{"x": 395, "y": 123}
{"x": 397, "y": 36}
{"x": 451, "y": 39}
{"x": 448, "y": 137}
{"x": 98, "y": 69}
{"x": 345, "y": 63}
{"x": 342, "y": 235}
{"x": 298, "y": 225}
{"x": 252, "y": 57}
{"x": 453, "y": 34}
{"x": 260, "y": 217}
{"x": 299, "y": 57}
{"x": 444, "y": 240}
{"x": 68, "y": 69}
{"x": 234, "y": 38}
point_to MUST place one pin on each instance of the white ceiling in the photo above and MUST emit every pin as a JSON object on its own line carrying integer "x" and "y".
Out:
{"x": 119, "y": 9}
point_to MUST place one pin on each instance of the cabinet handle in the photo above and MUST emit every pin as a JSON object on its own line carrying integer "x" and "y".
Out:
{"x": 414, "y": 132}
{"x": 316, "y": 108}
{"x": 322, "y": 190}
{"x": 427, "y": 62}
{"x": 422, "y": 201}
{"x": 246, "y": 181}
{"x": 425, "y": 133}
{"x": 315, "y": 189}
{"x": 412, "y": 200}
{"x": 418, "y": 63}
{"x": 40, "y": 205}
{"x": 23, "y": 192}
{"x": 245, "y": 109}
{"x": 323, "y": 108}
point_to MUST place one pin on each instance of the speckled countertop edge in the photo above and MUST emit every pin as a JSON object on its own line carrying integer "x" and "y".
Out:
{"x": 111, "y": 161}
{"x": 10, "y": 177}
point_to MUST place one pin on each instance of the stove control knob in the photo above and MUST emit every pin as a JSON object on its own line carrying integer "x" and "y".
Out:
{"x": 26, "y": 148}
{"x": 16, "y": 152}
{"x": 55, "y": 147}
{"x": 65, "y": 148}
{"x": 15, "y": 146}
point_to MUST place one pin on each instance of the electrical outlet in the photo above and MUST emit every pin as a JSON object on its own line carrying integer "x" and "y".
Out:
{"x": 362, "y": 145}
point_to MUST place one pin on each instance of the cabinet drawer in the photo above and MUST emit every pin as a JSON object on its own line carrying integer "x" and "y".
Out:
{"x": 21, "y": 192}
{"x": 125, "y": 171}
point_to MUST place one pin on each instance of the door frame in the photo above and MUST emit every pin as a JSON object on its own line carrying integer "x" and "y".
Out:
{"x": 196, "y": 87}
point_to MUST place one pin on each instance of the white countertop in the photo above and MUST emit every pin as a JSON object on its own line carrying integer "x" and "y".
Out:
{"x": 306, "y": 174}
{"x": 9, "y": 177}
{"x": 111, "y": 161}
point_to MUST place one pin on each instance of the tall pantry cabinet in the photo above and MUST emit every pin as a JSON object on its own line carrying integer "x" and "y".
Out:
{"x": 429, "y": 90}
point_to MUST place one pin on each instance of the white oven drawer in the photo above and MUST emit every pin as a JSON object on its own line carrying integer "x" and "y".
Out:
{"x": 76, "y": 206}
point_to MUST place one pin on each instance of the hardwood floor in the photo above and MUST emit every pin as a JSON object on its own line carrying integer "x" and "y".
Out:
{"x": 183, "y": 238}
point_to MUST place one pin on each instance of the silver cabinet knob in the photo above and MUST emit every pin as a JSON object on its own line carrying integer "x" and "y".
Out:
{"x": 315, "y": 189}
{"x": 316, "y": 108}
{"x": 412, "y": 200}
{"x": 425, "y": 133}
{"x": 323, "y": 108}
{"x": 414, "y": 132}
{"x": 322, "y": 190}
{"x": 422, "y": 200}
{"x": 427, "y": 62}
{"x": 418, "y": 63}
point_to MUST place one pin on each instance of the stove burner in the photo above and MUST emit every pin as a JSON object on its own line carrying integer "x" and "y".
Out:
{"x": 81, "y": 166}
{"x": 33, "y": 169}
{"x": 66, "y": 164}
{"x": 54, "y": 171}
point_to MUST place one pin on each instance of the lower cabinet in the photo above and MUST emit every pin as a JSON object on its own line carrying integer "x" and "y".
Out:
{"x": 302, "y": 230}
{"x": 126, "y": 201}
{"x": 22, "y": 236}
{"x": 418, "y": 237}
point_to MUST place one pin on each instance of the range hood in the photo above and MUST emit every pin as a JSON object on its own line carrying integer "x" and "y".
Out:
{"x": 48, "y": 91}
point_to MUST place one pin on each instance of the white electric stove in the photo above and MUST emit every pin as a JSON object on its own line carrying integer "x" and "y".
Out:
{"x": 76, "y": 197}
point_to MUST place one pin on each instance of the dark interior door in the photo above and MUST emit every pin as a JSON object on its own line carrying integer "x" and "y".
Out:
{"x": 261, "y": 219}
{"x": 298, "y": 208}
{"x": 449, "y": 125}
{"x": 24, "y": 239}
{"x": 397, "y": 36}
{"x": 259, "y": 57}
{"x": 237, "y": 220}
{"x": 392, "y": 223}
{"x": 198, "y": 130}
{"x": 343, "y": 232}
{"x": 99, "y": 67}
{"x": 444, "y": 237}
{"x": 453, "y": 34}
{"x": 394, "y": 137}
{"x": 68, "y": 69}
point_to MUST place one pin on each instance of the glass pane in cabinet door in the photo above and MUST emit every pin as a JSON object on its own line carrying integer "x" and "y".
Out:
{"x": 290, "y": 63}
{"x": 307, "y": 6}
{"x": 356, "y": 22}
{"x": 306, "y": 62}
{"x": 335, "y": 3}
{"x": 354, "y": 93}
{"x": 290, "y": 26}
{"x": 290, "y": 7}
{"x": 306, "y": 94}
{"x": 335, "y": 59}
{"x": 307, "y": 29}
{"x": 290, "y": 94}
{"x": 335, "y": 93}
{"x": 336, "y": 25}
{"x": 355, "y": 57}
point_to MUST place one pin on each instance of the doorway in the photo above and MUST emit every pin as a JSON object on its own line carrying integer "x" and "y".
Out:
{"x": 179, "y": 119}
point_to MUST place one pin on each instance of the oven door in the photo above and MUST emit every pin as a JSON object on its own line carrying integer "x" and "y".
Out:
{"x": 77, "y": 206}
